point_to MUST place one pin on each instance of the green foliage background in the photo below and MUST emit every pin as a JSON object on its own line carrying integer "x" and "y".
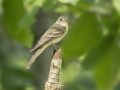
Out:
{"x": 91, "y": 49}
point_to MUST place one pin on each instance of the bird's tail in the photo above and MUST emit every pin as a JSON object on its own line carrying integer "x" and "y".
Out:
{"x": 37, "y": 53}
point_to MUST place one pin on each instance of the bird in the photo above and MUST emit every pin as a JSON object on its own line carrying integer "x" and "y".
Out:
{"x": 53, "y": 35}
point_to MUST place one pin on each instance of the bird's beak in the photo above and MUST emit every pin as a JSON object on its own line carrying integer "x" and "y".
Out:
{"x": 66, "y": 20}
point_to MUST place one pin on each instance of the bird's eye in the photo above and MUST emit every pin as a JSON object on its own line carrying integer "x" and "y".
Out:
{"x": 61, "y": 19}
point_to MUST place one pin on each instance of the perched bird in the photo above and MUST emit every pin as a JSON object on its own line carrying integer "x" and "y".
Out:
{"x": 53, "y": 35}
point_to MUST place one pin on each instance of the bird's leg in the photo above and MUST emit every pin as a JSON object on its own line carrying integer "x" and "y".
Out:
{"x": 54, "y": 46}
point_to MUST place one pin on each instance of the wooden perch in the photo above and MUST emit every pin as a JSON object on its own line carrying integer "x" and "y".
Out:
{"x": 55, "y": 67}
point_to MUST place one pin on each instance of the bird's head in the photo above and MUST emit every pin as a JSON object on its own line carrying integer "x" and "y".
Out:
{"x": 63, "y": 20}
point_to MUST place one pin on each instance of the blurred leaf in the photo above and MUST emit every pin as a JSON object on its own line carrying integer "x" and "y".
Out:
{"x": 116, "y": 4}
{"x": 69, "y": 1}
{"x": 106, "y": 72}
{"x": 62, "y": 9}
{"x": 83, "y": 5}
{"x": 111, "y": 22}
{"x": 67, "y": 72}
{"x": 99, "y": 8}
{"x": 82, "y": 36}
{"x": 73, "y": 9}
{"x": 28, "y": 19}
{"x": 95, "y": 55}
{"x": 49, "y": 5}
{"x": 1, "y": 6}
{"x": 13, "y": 12}
{"x": 31, "y": 4}
{"x": 75, "y": 78}
{"x": 24, "y": 36}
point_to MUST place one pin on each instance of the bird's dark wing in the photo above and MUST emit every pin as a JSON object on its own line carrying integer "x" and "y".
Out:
{"x": 54, "y": 32}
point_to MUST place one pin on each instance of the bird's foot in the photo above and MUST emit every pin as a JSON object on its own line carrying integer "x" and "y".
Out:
{"x": 55, "y": 47}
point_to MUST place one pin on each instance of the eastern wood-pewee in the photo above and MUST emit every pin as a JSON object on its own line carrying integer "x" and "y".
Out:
{"x": 53, "y": 35}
